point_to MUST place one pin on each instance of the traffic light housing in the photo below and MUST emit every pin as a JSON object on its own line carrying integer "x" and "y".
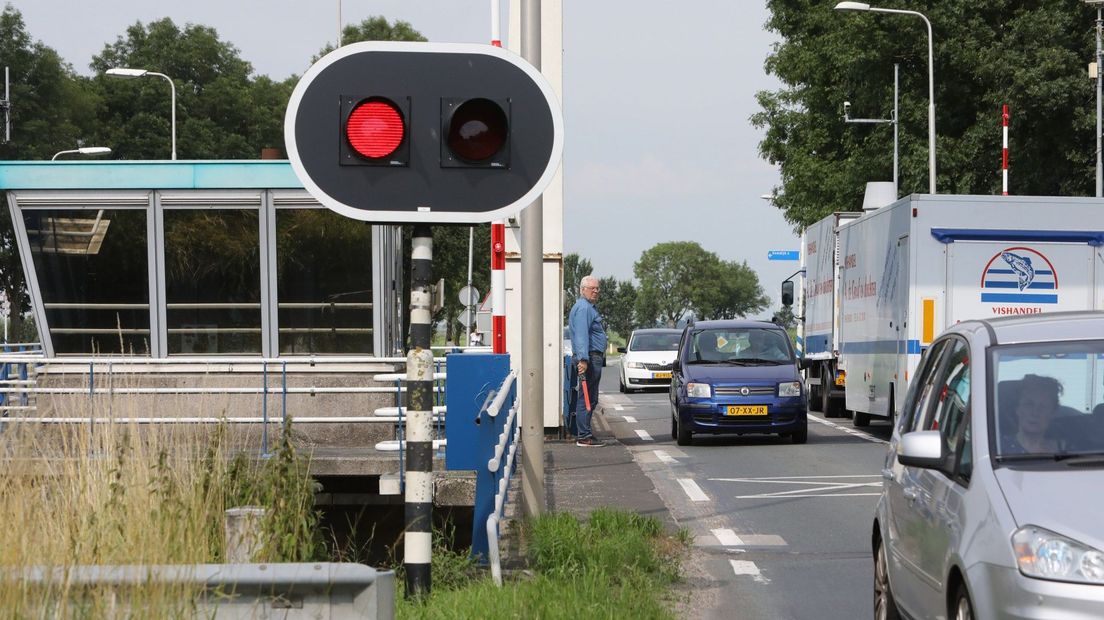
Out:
{"x": 423, "y": 132}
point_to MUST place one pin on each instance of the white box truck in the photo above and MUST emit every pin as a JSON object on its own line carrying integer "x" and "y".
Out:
{"x": 821, "y": 262}
{"x": 911, "y": 269}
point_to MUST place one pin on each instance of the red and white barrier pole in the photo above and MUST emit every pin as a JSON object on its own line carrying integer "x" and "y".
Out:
{"x": 1004, "y": 152}
{"x": 496, "y": 39}
{"x": 498, "y": 287}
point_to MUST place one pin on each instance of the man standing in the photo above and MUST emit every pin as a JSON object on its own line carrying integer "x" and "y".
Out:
{"x": 588, "y": 345}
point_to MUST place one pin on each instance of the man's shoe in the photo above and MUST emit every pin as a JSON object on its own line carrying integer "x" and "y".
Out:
{"x": 590, "y": 442}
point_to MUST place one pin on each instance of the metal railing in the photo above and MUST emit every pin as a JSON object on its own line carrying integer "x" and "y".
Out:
{"x": 97, "y": 368}
{"x": 507, "y": 445}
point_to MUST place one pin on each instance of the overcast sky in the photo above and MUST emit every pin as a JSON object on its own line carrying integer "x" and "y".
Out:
{"x": 657, "y": 97}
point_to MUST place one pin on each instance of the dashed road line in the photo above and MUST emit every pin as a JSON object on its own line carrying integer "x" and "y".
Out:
{"x": 812, "y": 486}
{"x": 692, "y": 490}
{"x": 643, "y": 434}
{"x": 727, "y": 537}
{"x": 849, "y": 431}
{"x": 629, "y": 419}
{"x": 745, "y": 567}
{"x": 664, "y": 457}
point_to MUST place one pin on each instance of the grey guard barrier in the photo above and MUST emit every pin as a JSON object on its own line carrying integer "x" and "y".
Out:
{"x": 290, "y": 591}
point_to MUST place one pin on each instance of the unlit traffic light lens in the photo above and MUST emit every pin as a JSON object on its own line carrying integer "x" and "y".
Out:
{"x": 375, "y": 128}
{"x": 477, "y": 130}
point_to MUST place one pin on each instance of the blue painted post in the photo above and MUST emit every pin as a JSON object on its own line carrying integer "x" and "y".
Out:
{"x": 472, "y": 434}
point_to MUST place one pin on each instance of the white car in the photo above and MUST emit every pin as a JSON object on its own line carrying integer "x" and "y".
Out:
{"x": 647, "y": 361}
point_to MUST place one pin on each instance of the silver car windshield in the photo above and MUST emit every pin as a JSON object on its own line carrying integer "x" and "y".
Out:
{"x": 1048, "y": 400}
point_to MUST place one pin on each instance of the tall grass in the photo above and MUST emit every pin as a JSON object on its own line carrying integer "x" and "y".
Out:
{"x": 615, "y": 565}
{"x": 114, "y": 495}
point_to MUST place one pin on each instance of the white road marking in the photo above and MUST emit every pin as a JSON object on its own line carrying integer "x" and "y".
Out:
{"x": 630, "y": 419}
{"x": 745, "y": 567}
{"x": 727, "y": 538}
{"x": 849, "y": 431}
{"x": 644, "y": 435}
{"x": 664, "y": 457}
{"x": 618, "y": 408}
{"x": 812, "y": 486}
{"x": 693, "y": 490}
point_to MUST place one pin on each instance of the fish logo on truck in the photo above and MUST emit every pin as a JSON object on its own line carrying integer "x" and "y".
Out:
{"x": 1019, "y": 275}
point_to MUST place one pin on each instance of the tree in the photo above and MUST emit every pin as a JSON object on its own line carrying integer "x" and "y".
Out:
{"x": 220, "y": 112}
{"x": 52, "y": 110}
{"x": 616, "y": 304}
{"x": 374, "y": 28}
{"x": 732, "y": 291}
{"x": 574, "y": 269}
{"x": 670, "y": 275}
{"x": 785, "y": 317}
{"x": 1029, "y": 55}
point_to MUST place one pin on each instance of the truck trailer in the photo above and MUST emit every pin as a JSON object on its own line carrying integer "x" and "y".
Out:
{"x": 903, "y": 273}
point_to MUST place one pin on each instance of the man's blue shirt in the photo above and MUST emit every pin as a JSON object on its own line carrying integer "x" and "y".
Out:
{"x": 587, "y": 332}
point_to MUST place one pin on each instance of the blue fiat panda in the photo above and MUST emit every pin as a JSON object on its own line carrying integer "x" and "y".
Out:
{"x": 737, "y": 377}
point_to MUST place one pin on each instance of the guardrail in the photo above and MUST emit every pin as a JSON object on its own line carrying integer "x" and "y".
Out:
{"x": 299, "y": 590}
{"x": 507, "y": 444}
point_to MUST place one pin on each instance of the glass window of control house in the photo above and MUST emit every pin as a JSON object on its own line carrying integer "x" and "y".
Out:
{"x": 212, "y": 281}
{"x": 93, "y": 275}
{"x": 324, "y": 282}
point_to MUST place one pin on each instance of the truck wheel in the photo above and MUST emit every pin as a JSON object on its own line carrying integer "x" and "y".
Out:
{"x": 861, "y": 419}
{"x": 814, "y": 397}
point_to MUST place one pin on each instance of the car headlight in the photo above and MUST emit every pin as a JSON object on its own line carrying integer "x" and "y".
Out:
{"x": 1045, "y": 555}
{"x": 698, "y": 390}
{"x": 634, "y": 365}
{"x": 792, "y": 388}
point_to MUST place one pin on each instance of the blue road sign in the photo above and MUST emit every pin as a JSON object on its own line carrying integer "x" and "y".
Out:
{"x": 783, "y": 255}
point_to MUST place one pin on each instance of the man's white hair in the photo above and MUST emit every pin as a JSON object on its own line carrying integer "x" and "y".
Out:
{"x": 587, "y": 281}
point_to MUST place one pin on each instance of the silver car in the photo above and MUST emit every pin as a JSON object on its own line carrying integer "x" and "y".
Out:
{"x": 993, "y": 502}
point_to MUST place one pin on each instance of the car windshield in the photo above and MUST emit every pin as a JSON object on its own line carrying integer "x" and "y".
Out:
{"x": 1048, "y": 401}
{"x": 745, "y": 345}
{"x": 655, "y": 341}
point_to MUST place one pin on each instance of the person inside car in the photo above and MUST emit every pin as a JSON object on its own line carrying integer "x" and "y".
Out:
{"x": 1036, "y": 407}
{"x": 764, "y": 345}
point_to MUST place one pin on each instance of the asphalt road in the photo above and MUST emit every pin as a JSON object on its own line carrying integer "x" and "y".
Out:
{"x": 783, "y": 530}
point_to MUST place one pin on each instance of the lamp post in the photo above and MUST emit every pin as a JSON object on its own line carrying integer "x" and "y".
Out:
{"x": 137, "y": 73}
{"x": 84, "y": 150}
{"x": 862, "y": 6}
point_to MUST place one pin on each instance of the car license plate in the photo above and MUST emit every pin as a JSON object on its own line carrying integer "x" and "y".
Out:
{"x": 746, "y": 410}
{"x": 661, "y": 375}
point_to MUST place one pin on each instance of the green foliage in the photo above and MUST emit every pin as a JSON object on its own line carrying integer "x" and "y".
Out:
{"x": 785, "y": 317}
{"x": 615, "y": 565}
{"x": 374, "y": 28}
{"x": 680, "y": 277}
{"x": 616, "y": 304}
{"x": 575, "y": 268}
{"x": 1029, "y": 55}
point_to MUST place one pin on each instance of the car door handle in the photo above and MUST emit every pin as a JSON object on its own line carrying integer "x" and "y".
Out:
{"x": 910, "y": 494}
{"x": 887, "y": 473}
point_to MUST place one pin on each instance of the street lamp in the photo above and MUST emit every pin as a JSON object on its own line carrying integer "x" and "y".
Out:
{"x": 862, "y": 6}
{"x": 84, "y": 150}
{"x": 137, "y": 73}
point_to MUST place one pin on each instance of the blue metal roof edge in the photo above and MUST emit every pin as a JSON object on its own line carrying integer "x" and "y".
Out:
{"x": 200, "y": 174}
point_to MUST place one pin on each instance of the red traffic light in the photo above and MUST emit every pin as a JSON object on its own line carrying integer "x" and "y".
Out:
{"x": 375, "y": 128}
{"x": 477, "y": 131}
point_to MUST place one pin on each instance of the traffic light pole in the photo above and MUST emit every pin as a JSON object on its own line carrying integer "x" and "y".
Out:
{"x": 532, "y": 309}
{"x": 417, "y": 541}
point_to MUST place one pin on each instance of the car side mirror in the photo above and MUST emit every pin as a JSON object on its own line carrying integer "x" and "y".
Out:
{"x": 787, "y": 293}
{"x": 620, "y": 349}
{"x": 924, "y": 449}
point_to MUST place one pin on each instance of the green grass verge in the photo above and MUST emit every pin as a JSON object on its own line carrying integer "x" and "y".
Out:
{"x": 615, "y": 565}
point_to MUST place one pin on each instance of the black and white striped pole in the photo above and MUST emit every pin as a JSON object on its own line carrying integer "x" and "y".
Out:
{"x": 417, "y": 541}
